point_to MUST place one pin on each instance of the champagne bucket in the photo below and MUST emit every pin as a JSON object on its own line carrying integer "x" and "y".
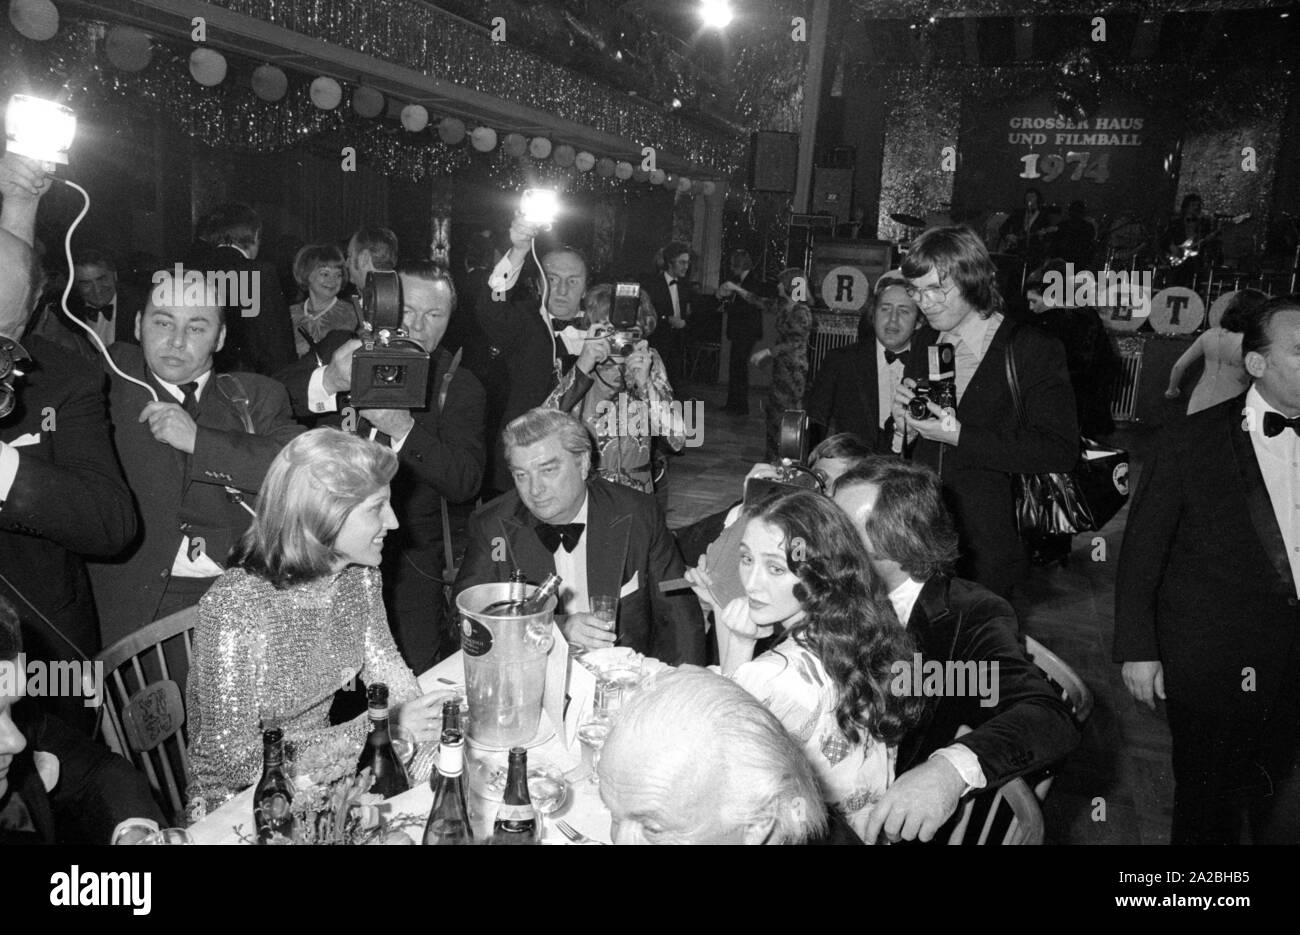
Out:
{"x": 505, "y": 666}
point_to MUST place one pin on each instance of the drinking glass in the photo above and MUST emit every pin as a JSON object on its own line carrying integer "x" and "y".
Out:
{"x": 604, "y": 607}
{"x": 135, "y": 831}
{"x": 169, "y": 836}
{"x": 595, "y": 729}
{"x": 547, "y": 789}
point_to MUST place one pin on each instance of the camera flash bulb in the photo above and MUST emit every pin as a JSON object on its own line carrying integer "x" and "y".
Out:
{"x": 540, "y": 206}
{"x": 41, "y": 130}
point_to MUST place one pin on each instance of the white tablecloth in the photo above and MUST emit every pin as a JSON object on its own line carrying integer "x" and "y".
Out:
{"x": 583, "y": 808}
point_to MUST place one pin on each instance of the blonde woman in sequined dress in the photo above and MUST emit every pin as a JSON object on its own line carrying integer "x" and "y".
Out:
{"x": 298, "y": 615}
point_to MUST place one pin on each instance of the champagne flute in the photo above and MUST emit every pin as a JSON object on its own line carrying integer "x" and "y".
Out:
{"x": 595, "y": 729}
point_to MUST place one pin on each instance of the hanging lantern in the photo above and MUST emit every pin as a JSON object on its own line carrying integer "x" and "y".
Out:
{"x": 515, "y": 144}
{"x": 415, "y": 117}
{"x": 657, "y": 176}
{"x": 451, "y": 130}
{"x": 605, "y": 167}
{"x": 34, "y": 19}
{"x": 270, "y": 83}
{"x": 564, "y": 155}
{"x": 539, "y": 147}
{"x": 326, "y": 93}
{"x": 208, "y": 66}
{"x": 367, "y": 102}
{"x": 128, "y": 49}
{"x": 640, "y": 175}
{"x": 584, "y": 161}
{"x": 483, "y": 139}
{"x": 683, "y": 184}
{"x": 623, "y": 170}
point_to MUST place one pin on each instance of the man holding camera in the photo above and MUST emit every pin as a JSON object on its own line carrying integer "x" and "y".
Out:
{"x": 439, "y": 444}
{"x": 62, "y": 494}
{"x": 192, "y": 455}
{"x": 542, "y": 345}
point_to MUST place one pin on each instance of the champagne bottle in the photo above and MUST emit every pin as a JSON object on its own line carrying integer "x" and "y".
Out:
{"x": 390, "y": 777}
{"x": 274, "y": 793}
{"x": 449, "y": 818}
{"x": 451, "y": 716}
{"x": 549, "y": 587}
{"x": 520, "y": 606}
{"x": 517, "y": 821}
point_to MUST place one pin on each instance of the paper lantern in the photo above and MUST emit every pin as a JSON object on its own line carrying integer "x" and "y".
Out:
{"x": 367, "y": 102}
{"x": 414, "y": 117}
{"x": 484, "y": 139}
{"x": 515, "y": 144}
{"x": 451, "y": 130}
{"x": 584, "y": 161}
{"x": 270, "y": 83}
{"x": 708, "y": 187}
{"x": 34, "y": 19}
{"x": 657, "y": 177}
{"x": 539, "y": 147}
{"x": 128, "y": 49}
{"x": 683, "y": 184}
{"x": 326, "y": 93}
{"x": 208, "y": 66}
{"x": 640, "y": 175}
{"x": 605, "y": 167}
{"x": 623, "y": 171}
{"x": 564, "y": 155}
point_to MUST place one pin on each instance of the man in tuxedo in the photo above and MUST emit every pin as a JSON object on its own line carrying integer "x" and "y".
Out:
{"x": 192, "y": 457}
{"x": 854, "y": 391}
{"x": 62, "y": 494}
{"x": 98, "y": 299}
{"x": 440, "y": 450}
{"x": 743, "y": 299}
{"x": 1207, "y": 598}
{"x": 370, "y": 248}
{"x": 671, "y": 294}
{"x": 1021, "y": 726}
{"x": 57, "y": 786}
{"x": 540, "y": 344}
{"x": 259, "y": 331}
{"x": 601, "y": 538}
{"x": 976, "y": 445}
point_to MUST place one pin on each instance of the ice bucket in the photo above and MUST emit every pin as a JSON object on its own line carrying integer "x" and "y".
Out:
{"x": 505, "y": 666}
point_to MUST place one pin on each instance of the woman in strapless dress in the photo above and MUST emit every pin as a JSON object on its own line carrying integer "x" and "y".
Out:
{"x": 1225, "y": 374}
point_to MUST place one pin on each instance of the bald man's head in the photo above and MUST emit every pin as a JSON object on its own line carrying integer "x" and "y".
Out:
{"x": 18, "y": 278}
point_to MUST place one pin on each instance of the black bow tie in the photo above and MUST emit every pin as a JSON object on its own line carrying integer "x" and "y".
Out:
{"x": 94, "y": 311}
{"x": 672, "y": 284}
{"x": 559, "y": 324}
{"x": 1275, "y": 424}
{"x": 552, "y": 537}
{"x": 890, "y": 356}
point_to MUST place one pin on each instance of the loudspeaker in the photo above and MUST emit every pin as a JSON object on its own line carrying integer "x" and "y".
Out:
{"x": 773, "y": 161}
{"x": 832, "y": 192}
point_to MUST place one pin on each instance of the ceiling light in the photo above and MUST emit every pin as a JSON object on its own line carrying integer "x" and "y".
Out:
{"x": 716, "y": 14}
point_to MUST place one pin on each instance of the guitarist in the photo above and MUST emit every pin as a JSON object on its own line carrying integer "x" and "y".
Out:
{"x": 1025, "y": 232}
{"x": 1182, "y": 241}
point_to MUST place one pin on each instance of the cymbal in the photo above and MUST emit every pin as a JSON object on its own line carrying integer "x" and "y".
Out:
{"x": 908, "y": 220}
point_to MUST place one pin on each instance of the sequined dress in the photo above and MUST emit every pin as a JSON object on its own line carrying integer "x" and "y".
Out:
{"x": 264, "y": 655}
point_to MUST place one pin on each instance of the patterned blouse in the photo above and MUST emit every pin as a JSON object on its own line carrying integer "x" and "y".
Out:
{"x": 341, "y": 315}
{"x": 263, "y": 655}
{"x": 792, "y": 683}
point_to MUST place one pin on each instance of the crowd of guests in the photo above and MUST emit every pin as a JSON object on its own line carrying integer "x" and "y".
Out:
{"x": 223, "y": 466}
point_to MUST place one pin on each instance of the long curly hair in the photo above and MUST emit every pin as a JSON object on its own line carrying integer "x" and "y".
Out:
{"x": 848, "y": 621}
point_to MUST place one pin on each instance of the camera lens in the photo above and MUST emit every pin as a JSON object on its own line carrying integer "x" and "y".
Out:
{"x": 389, "y": 374}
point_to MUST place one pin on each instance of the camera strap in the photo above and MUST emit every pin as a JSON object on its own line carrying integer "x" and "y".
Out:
{"x": 449, "y": 554}
{"x": 235, "y": 392}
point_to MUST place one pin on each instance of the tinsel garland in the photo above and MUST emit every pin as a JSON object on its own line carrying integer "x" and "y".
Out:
{"x": 920, "y": 10}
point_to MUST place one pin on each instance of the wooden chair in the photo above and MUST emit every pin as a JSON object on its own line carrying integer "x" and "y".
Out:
{"x": 1071, "y": 688}
{"x": 144, "y": 706}
{"x": 706, "y": 355}
{"x": 1007, "y": 815}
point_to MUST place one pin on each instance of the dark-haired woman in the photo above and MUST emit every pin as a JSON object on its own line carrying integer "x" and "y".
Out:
{"x": 805, "y": 570}
{"x": 298, "y": 615}
{"x": 1225, "y": 374}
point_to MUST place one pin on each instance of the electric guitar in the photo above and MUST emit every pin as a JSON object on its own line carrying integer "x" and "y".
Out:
{"x": 1191, "y": 247}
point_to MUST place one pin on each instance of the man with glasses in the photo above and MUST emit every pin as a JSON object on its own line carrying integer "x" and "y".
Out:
{"x": 975, "y": 445}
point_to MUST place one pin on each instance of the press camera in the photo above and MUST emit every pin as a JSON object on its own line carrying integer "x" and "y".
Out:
{"x": 940, "y": 388}
{"x": 11, "y": 352}
{"x": 625, "y": 319}
{"x": 390, "y": 370}
{"x": 792, "y": 460}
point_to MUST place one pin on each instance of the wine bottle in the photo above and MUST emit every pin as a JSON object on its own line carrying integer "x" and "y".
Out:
{"x": 521, "y": 606}
{"x": 451, "y": 715}
{"x": 549, "y": 587}
{"x": 449, "y": 818}
{"x": 274, "y": 793}
{"x": 516, "y": 821}
{"x": 390, "y": 777}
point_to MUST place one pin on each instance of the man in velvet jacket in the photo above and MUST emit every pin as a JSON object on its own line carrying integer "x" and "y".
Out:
{"x": 1018, "y": 723}
{"x": 601, "y": 538}
{"x": 206, "y": 433}
{"x": 975, "y": 446}
{"x": 1207, "y": 598}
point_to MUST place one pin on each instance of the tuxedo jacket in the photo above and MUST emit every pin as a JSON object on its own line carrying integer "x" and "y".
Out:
{"x": 96, "y": 789}
{"x": 68, "y": 499}
{"x": 179, "y": 495}
{"x": 53, "y": 325}
{"x": 656, "y": 287}
{"x": 976, "y": 472}
{"x": 629, "y": 551}
{"x": 262, "y": 343}
{"x": 442, "y": 456}
{"x": 1203, "y": 583}
{"x": 1029, "y": 727}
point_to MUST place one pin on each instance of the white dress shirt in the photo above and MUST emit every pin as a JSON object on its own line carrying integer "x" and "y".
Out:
{"x": 673, "y": 289}
{"x": 572, "y": 568}
{"x": 1279, "y": 462}
{"x": 104, "y": 327}
{"x": 971, "y": 340}
{"x": 960, "y": 756}
{"x": 319, "y": 400}
{"x": 503, "y": 279}
{"x": 202, "y": 565}
{"x": 888, "y": 376}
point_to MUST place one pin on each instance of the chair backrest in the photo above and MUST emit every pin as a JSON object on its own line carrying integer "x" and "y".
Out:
{"x": 143, "y": 703}
{"x": 1008, "y": 814}
{"x": 1071, "y": 688}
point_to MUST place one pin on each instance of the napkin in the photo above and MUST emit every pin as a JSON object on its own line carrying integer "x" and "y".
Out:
{"x": 557, "y": 661}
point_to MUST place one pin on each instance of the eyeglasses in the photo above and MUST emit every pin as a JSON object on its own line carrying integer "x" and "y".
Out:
{"x": 933, "y": 294}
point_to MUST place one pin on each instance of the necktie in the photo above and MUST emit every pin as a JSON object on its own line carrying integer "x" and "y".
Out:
{"x": 890, "y": 356}
{"x": 1275, "y": 423}
{"x": 191, "y": 401}
{"x": 566, "y": 534}
{"x": 93, "y": 312}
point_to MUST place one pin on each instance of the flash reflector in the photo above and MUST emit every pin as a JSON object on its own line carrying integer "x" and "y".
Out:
{"x": 40, "y": 130}
{"x": 540, "y": 206}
